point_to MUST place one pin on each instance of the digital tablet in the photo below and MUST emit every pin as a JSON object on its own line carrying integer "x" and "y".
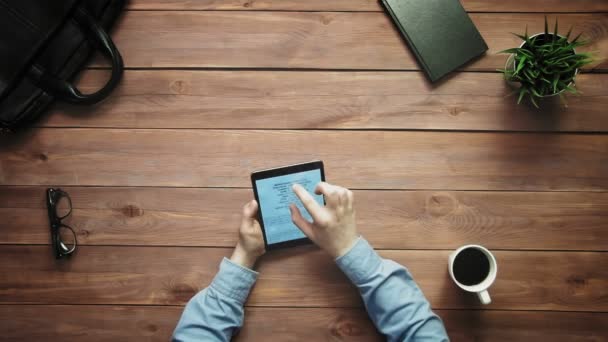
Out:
{"x": 273, "y": 192}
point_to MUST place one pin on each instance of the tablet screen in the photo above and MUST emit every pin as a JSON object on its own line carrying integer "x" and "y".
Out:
{"x": 275, "y": 195}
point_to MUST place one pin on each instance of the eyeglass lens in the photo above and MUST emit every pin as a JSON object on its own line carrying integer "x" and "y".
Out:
{"x": 63, "y": 206}
{"x": 66, "y": 239}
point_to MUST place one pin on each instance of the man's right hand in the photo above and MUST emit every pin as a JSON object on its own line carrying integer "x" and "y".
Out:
{"x": 333, "y": 227}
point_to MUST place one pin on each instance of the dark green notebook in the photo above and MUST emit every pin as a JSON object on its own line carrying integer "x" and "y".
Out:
{"x": 439, "y": 32}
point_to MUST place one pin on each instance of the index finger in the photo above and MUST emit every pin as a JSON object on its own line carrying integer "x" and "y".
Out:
{"x": 313, "y": 208}
{"x": 329, "y": 191}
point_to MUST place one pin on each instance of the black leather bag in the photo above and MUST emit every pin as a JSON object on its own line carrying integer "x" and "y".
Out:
{"x": 43, "y": 45}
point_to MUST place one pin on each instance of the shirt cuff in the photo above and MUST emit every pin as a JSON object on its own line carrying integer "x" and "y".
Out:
{"x": 234, "y": 281}
{"x": 360, "y": 262}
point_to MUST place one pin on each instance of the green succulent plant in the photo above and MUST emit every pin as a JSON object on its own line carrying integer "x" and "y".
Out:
{"x": 545, "y": 64}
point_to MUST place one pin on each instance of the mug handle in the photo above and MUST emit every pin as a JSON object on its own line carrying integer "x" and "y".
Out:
{"x": 484, "y": 297}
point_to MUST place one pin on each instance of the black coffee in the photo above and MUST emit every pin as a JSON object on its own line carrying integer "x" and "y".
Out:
{"x": 471, "y": 267}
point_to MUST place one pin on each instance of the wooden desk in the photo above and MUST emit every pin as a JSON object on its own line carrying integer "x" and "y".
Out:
{"x": 216, "y": 89}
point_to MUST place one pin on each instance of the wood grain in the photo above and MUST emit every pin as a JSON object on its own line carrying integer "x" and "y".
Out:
{"x": 388, "y": 219}
{"x": 553, "y": 6}
{"x": 317, "y": 40}
{"x": 351, "y": 100}
{"x": 299, "y": 277}
{"x": 358, "y": 160}
{"x": 524, "y": 326}
{"x": 158, "y": 173}
{"x": 87, "y": 323}
{"x": 156, "y": 323}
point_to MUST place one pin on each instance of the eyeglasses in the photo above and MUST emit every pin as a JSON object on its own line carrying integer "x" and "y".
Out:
{"x": 59, "y": 206}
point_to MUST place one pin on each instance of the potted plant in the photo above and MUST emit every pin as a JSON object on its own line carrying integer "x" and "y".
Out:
{"x": 545, "y": 64}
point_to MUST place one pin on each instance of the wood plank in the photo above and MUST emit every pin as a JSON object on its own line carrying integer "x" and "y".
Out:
{"x": 352, "y": 100}
{"x": 410, "y": 219}
{"x": 89, "y": 323}
{"x": 568, "y": 281}
{"x": 524, "y": 326}
{"x": 553, "y": 6}
{"x": 118, "y": 323}
{"x": 354, "y": 159}
{"x": 318, "y": 40}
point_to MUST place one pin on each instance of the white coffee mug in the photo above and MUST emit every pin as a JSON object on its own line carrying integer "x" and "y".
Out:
{"x": 480, "y": 289}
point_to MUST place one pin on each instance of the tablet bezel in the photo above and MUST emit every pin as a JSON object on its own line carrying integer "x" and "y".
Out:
{"x": 276, "y": 172}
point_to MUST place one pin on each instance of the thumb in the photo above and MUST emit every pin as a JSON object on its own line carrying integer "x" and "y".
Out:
{"x": 249, "y": 212}
{"x": 300, "y": 221}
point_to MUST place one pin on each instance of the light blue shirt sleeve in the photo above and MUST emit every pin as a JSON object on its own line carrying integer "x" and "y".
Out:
{"x": 216, "y": 313}
{"x": 393, "y": 301}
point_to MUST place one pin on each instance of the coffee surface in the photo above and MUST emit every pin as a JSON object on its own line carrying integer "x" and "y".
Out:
{"x": 471, "y": 267}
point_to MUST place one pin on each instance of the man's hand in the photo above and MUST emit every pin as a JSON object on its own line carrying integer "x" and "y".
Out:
{"x": 251, "y": 241}
{"x": 333, "y": 227}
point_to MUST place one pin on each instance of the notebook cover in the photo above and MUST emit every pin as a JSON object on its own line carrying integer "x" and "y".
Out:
{"x": 439, "y": 32}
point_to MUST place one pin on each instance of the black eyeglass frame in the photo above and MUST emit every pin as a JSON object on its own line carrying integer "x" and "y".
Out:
{"x": 53, "y": 196}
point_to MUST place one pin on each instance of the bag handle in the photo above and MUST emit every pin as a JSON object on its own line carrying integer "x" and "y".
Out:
{"x": 66, "y": 91}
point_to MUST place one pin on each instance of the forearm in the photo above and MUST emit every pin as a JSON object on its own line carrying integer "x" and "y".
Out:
{"x": 216, "y": 313}
{"x": 393, "y": 301}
